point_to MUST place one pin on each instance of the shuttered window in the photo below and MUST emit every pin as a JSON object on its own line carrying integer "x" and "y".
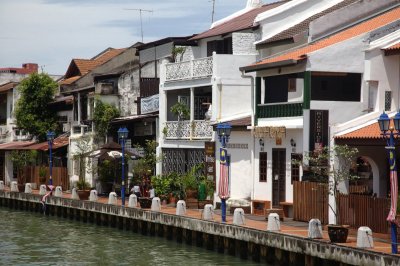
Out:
{"x": 263, "y": 167}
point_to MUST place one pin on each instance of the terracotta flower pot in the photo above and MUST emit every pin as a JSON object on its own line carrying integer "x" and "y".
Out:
{"x": 83, "y": 194}
{"x": 338, "y": 233}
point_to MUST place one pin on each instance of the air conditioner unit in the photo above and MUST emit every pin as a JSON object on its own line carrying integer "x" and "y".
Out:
{"x": 66, "y": 127}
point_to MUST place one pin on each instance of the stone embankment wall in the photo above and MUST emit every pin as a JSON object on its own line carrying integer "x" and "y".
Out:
{"x": 272, "y": 247}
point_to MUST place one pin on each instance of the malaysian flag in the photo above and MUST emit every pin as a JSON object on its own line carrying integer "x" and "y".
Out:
{"x": 393, "y": 188}
{"x": 223, "y": 190}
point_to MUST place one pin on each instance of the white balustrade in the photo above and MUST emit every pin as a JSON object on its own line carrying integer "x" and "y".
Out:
{"x": 197, "y": 68}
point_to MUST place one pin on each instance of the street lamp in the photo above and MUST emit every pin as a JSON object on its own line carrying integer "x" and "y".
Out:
{"x": 122, "y": 136}
{"x": 224, "y": 132}
{"x": 389, "y": 135}
{"x": 50, "y": 138}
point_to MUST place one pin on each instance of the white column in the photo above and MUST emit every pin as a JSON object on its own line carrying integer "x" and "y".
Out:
{"x": 191, "y": 104}
{"x": 79, "y": 108}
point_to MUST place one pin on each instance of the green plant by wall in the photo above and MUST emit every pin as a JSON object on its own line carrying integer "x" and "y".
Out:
{"x": 32, "y": 112}
{"x": 20, "y": 159}
{"x": 102, "y": 116}
{"x": 178, "y": 51}
{"x": 181, "y": 110}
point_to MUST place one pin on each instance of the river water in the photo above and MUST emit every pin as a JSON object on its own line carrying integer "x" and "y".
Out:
{"x": 35, "y": 239}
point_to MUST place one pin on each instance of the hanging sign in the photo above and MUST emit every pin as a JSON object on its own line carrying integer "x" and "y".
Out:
{"x": 270, "y": 132}
{"x": 209, "y": 147}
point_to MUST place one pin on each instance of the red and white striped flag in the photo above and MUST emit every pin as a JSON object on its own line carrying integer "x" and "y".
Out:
{"x": 223, "y": 191}
{"x": 393, "y": 189}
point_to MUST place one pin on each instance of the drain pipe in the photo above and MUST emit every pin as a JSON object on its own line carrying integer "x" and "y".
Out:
{"x": 251, "y": 77}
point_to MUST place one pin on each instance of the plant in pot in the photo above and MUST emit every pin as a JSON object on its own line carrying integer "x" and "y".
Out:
{"x": 333, "y": 165}
{"x": 83, "y": 189}
{"x": 161, "y": 185}
{"x": 191, "y": 179}
{"x": 21, "y": 159}
{"x": 42, "y": 175}
{"x": 181, "y": 110}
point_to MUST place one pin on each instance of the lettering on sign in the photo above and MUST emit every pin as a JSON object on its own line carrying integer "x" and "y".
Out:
{"x": 209, "y": 147}
{"x": 237, "y": 146}
{"x": 270, "y": 132}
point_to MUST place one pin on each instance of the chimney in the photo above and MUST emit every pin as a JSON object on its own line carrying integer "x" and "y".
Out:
{"x": 33, "y": 68}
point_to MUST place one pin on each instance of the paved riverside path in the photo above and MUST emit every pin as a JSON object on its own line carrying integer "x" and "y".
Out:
{"x": 288, "y": 227}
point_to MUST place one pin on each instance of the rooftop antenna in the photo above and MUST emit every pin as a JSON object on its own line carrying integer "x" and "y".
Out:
{"x": 140, "y": 13}
{"x": 212, "y": 13}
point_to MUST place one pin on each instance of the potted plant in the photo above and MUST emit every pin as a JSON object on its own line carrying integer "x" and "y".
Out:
{"x": 191, "y": 181}
{"x": 181, "y": 110}
{"x": 42, "y": 175}
{"x": 20, "y": 159}
{"x": 83, "y": 189}
{"x": 333, "y": 166}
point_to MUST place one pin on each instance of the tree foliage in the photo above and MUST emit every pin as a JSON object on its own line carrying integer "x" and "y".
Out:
{"x": 32, "y": 112}
{"x": 102, "y": 116}
{"x": 21, "y": 159}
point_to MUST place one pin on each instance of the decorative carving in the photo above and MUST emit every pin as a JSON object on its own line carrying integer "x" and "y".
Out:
{"x": 182, "y": 129}
{"x": 197, "y": 68}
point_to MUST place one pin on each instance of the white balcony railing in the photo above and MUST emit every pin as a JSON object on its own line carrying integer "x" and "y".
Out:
{"x": 197, "y": 68}
{"x": 198, "y": 129}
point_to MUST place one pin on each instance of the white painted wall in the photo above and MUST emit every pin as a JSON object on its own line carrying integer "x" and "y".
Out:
{"x": 241, "y": 184}
{"x": 243, "y": 43}
{"x": 263, "y": 190}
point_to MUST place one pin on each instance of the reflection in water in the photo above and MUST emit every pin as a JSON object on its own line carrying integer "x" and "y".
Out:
{"x": 34, "y": 239}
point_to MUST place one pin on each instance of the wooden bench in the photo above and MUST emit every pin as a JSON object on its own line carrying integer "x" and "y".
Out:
{"x": 286, "y": 206}
{"x": 258, "y": 206}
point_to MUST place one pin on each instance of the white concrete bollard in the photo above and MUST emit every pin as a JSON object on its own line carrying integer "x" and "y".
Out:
{"x": 58, "y": 192}
{"x": 132, "y": 201}
{"x": 364, "y": 237}
{"x": 181, "y": 207}
{"x": 14, "y": 186}
{"x": 314, "y": 229}
{"x": 112, "y": 198}
{"x": 28, "y": 188}
{"x": 42, "y": 190}
{"x": 74, "y": 194}
{"x": 274, "y": 223}
{"x": 238, "y": 216}
{"x": 156, "y": 204}
{"x": 1, "y": 185}
{"x": 93, "y": 195}
{"x": 208, "y": 213}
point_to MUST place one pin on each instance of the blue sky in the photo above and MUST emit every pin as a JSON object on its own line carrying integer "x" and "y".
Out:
{"x": 52, "y": 32}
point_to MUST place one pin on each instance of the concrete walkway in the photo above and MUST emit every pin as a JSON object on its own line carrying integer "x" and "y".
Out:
{"x": 288, "y": 226}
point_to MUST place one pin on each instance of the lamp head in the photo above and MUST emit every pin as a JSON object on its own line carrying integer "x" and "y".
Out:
{"x": 50, "y": 135}
{"x": 123, "y": 133}
{"x": 384, "y": 122}
{"x": 292, "y": 143}
{"x": 224, "y": 129}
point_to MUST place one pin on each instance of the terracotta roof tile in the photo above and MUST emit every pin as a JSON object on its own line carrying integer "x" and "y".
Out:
{"x": 368, "y": 132}
{"x": 7, "y": 86}
{"x": 364, "y": 27}
{"x": 302, "y": 27}
{"x": 246, "y": 121}
{"x": 393, "y": 47}
{"x": 69, "y": 80}
{"x": 83, "y": 66}
{"x": 241, "y": 22}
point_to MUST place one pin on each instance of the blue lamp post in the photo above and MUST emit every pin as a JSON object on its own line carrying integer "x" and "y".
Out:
{"x": 122, "y": 136}
{"x": 224, "y": 132}
{"x": 389, "y": 133}
{"x": 50, "y": 138}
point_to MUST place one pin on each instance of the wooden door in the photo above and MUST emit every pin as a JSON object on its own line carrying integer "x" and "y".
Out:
{"x": 278, "y": 176}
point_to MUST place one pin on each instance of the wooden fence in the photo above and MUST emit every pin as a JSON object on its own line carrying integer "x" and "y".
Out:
{"x": 310, "y": 200}
{"x": 59, "y": 176}
{"x": 363, "y": 210}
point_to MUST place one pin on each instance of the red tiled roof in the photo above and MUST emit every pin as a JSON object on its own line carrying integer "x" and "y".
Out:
{"x": 241, "y": 22}
{"x": 80, "y": 67}
{"x": 393, "y": 47}
{"x": 58, "y": 142}
{"x": 302, "y": 27}
{"x": 15, "y": 145}
{"x": 245, "y": 121}
{"x": 368, "y": 132}
{"x": 301, "y": 53}
{"x": 7, "y": 86}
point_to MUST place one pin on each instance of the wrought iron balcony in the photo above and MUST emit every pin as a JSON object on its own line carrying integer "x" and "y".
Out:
{"x": 280, "y": 110}
{"x": 197, "y": 129}
{"x": 197, "y": 68}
